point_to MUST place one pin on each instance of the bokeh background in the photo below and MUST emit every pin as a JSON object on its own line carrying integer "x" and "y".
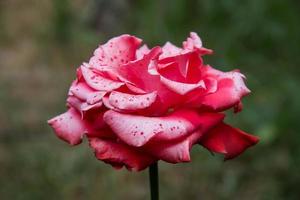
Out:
{"x": 42, "y": 43}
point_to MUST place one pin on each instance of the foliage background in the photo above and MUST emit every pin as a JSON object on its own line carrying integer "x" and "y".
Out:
{"x": 43, "y": 41}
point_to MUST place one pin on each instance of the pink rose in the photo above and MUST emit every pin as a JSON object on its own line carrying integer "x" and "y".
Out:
{"x": 139, "y": 105}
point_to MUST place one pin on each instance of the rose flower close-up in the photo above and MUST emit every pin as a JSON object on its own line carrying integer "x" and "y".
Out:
{"x": 137, "y": 105}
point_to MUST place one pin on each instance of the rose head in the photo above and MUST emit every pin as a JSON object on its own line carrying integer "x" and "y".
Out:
{"x": 138, "y": 105}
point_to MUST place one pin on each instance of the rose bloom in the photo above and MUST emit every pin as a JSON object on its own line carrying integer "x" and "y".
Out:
{"x": 138, "y": 105}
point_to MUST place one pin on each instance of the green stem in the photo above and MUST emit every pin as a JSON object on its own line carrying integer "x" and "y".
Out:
{"x": 153, "y": 175}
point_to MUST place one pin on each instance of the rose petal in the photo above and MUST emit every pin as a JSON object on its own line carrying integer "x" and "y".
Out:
{"x": 97, "y": 81}
{"x": 83, "y": 92}
{"x": 142, "y": 51}
{"x": 107, "y": 104}
{"x": 136, "y": 73}
{"x": 230, "y": 90}
{"x": 80, "y": 89}
{"x": 182, "y": 68}
{"x": 115, "y": 52}
{"x": 86, "y": 107}
{"x": 119, "y": 154}
{"x": 75, "y": 103}
{"x": 182, "y": 63}
{"x": 96, "y": 127}
{"x": 106, "y": 71}
{"x": 181, "y": 88}
{"x": 135, "y": 89}
{"x": 169, "y": 50}
{"x": 228, "y": 140}
{"x": 138, "y": 79}
{"x": 123, "y": 101}
{"x": 69, "y": 126}
{"x": 95, "y": 97}
{"x": 154, "y": 109}
{"x": 137, "y": 130}
{"x": 81, "y": 106}
{"x": 182, "y": 73}
{"x": 194, "y": 42}
{"x": 175, "y": 151}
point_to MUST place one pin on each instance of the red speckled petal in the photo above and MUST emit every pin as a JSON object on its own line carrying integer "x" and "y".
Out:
{"x": 123, "y": 101}
{"x": 137, "y": 77}
{"x": 230, "y": 90}
{"x": 181, "y": 88}
{"x": 98, "y": 82}
{"x": 69, "y": 126}
{"x": 119, "y": 154}
{"x": 81, "y": 106}
{"x": 85, "y": 93}
{"x": 137, "y": 130}
{"x": 228, "y": 140}
{"x": 115, "y": 52}
{"x": 178, "y": 150}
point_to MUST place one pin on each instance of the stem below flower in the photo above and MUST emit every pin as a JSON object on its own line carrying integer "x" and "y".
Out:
{"x": 153, "y": 175}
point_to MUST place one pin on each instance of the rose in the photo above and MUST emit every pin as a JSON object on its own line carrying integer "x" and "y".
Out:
{"x": 137, "y": 106}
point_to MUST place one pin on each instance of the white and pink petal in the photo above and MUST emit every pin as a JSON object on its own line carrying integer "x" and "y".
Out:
{"x": 178, "y": 150}
{"x": 117, "y": 51}
{"x": 230, "y": 90}
{"x": 85, "y": 93}
{"x": 137, "y": 130}
{"x": 169, "y": 50}
{"x": 142, "y": 51}
{"x": 69, "y": 126}
{"x": 193, "y": 42}
{"x": 181, "y": 88}
{"x": 98, "y": 82}
{"x": 82, "y": 106}
{"x": 119, "y": 154}
{"x": 131, "y": 102}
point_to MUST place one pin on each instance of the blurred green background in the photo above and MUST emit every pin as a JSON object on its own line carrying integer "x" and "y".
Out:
{"x": 42, "y": 43}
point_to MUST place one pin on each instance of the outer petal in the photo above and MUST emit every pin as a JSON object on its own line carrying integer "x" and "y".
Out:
{"x": 116, "y": 51}
{"x": 119, "y": 154}
{"x": 131, "y": 102}
{"x": 194, "y": 42}
{"x": 138, "y": 130}
{"x": 230, "y": 90}
{"x": 175, "y": 151}
{"x": 142, "y": 51}
{"x": 98, "y": 82}
{"x": 85, "y": 93}
{"x": 80, "y": 89}
{"x": 69, "y": 126}
{"x": 169, "y": 50}
{"x": 228, "y": 140}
